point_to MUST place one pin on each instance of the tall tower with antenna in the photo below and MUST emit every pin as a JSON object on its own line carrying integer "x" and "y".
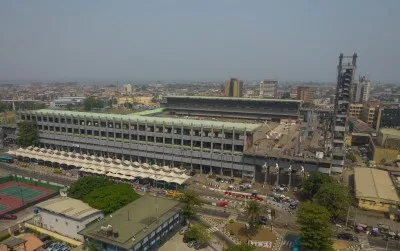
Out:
{"x": 345, "y": 78}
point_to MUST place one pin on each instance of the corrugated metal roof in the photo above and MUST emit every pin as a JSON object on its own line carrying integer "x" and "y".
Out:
{"x": 374, "y": 184}
{"x": 237, "y": 99}
{"x": 68, "y": 207}
{"x": 155, "y": 120}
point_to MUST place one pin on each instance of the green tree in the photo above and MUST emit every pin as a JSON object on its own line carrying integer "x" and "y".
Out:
{"x": 111, "y": 198}
{"x": 311, "y": 185}
{"x": 90, "y": 246}
{"x": 335, "y": 198}
{"x": 86, "y": 185}
{"x": 199, "y": 233}
{"x": 192, "y": 200}
{"x": 27, "y": 134}
{"x": 286, "y": 95}
{"x": 316, "y": 231}
{"x": 240, "y": 247}
{"x": 351, "y": 157}
{"x": 92, "y": 103}
{"x": 253, "y": 213}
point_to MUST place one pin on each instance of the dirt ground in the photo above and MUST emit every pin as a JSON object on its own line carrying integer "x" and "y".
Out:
{"x": 263, "y": 234}
{"x": 340, "y": 244}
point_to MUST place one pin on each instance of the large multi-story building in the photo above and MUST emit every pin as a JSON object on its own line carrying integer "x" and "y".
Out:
{"x": 368, "y": 113}
{"x": 360, "y": 91}
{"x": 208, "y": 146}
{"x": 224, "y": 107}
{"x": 269, "y": 89}
{"x": 356, "y": 110}
{"x": 346, "y": 72}
{"x": 234, "y": 88}
{"x": 387, "y": 117}
{"x": 305, "y": 93}
{"x": 144, "y": 224}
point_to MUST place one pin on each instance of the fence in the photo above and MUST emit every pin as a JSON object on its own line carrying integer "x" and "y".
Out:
{"x": 32, "y": 181}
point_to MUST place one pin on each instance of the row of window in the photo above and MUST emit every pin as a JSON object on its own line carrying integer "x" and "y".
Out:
{"x": 143, "y": 138}
{"x": 135, "y": 127}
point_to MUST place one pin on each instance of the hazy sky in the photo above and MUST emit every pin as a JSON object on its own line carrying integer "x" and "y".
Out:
{"x": 197, "y": 40}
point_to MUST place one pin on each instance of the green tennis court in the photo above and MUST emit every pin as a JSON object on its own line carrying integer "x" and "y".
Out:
{"x": 2, "y": 207}
{"x": 20, "y": 192}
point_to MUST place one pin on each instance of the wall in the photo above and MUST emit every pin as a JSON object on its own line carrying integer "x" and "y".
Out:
{"x": 384, "y": 153}
{"x": 64, "y": 225}
{"x": 373, "y": 205}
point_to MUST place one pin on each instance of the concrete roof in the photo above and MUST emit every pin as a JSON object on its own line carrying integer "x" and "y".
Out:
{"x": 135, "y": 220}
{"x": 68, "y": 207}
{"x": 390, "y": 131}
{"x": 374, "y": 184}
{"x": 236, "y": 99}
{"x": 155, "y": 120}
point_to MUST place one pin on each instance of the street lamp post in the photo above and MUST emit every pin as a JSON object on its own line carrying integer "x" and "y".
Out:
{"x": 277, "y": 173}
{"x": 265, "y": 168}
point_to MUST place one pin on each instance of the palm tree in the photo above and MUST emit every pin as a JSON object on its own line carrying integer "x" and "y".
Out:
{"x": 192, "y": 200}
{"x": 253, "y": 213}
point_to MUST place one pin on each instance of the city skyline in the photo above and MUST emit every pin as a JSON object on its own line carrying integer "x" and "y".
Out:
{"x": 207, "y": 41}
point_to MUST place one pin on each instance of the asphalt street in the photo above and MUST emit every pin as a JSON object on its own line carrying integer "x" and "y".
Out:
{"x": 7, "y": 168}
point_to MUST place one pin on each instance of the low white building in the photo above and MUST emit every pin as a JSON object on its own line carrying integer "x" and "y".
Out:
{"x": 65, "y": 216}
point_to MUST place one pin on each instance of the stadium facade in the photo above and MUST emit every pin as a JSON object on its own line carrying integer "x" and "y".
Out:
{"x": 207, "y": 146}
{"x": 226, "y": 107}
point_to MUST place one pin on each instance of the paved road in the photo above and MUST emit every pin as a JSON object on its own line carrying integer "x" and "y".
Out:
{"x": 381, "y": 243}
{"x": 30, "y": 173}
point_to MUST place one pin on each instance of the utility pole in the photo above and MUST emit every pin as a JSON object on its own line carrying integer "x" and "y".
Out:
{"x": 277, "y": 173}
{"x": 290, "y": 176}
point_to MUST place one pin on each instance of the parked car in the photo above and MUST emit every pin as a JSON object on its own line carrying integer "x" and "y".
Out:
{"x": 191, "y": 243}
{"x": 198, "y": 245}
{"x": 9, "y": 217}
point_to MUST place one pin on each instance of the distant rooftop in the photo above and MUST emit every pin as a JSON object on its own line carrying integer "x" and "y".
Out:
{"x": 148, "y": 112}
{"x": 68, "y": 207}
{"x": 237, "y": 99}
{"x": 134, "y": 221}
{"x": 156, "y": 120}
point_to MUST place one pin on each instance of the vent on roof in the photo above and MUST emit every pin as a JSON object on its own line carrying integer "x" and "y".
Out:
{"x": 148, "y": 220}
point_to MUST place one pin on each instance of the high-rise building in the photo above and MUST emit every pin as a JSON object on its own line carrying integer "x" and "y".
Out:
{"x": 368, "y": 113}
{"x": 356, "y": 110}
{"x": 269, "y": 89}
{"x": 346, "y": 73}
{"x": 128, "y": 89}
{"x": 306, "y": 93}
{"x": 360, "y": 91}
{"x": 234, "y": 88}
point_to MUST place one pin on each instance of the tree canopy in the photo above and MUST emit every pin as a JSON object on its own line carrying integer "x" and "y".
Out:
{"x": 286, "y": 95}
{"x": 199, "y": 233}
{"x": 92, "y": 103}
{"x": 311, "y": 185}
{"x": 27, "y": 134}
{"x": 111, "y": 198}
{"x": 192, "y": 200}
{"x": 316, "y": 231}
{"x": 351, "y": 157}
{"x": 240, "y": 247}
{"x": 85, "y": 185}
{"x": 335, "y": 198}
{"x": 253, "y": 213}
